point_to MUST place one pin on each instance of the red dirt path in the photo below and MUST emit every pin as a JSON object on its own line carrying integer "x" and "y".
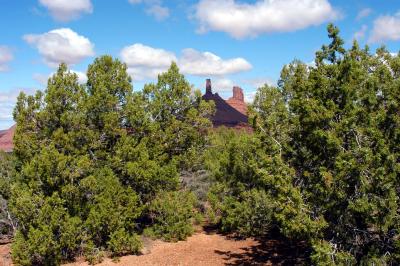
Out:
{"x": 204, "y": 249}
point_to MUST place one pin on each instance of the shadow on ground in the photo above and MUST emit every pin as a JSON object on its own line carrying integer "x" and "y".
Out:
{"x": 273, "y": 249}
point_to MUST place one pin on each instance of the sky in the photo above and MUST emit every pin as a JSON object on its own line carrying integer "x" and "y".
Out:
{"x": 243, "y": 43}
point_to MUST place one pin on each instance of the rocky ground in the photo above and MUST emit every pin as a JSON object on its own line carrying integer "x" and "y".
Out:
{"x": 204, "y": 248}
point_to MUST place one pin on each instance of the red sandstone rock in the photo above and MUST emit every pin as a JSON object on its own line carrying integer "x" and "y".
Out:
{"x": 226, "y": 114}
{"x": 6, "y": 139}
{"x": 237, "y": 101}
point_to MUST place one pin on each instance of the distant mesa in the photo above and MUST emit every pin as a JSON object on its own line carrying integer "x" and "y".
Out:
{"x": 229, "y": 113}
{"x": 6, "y": 139}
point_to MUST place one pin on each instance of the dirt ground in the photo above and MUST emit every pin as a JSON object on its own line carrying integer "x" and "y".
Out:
{"x": 204, "y": 248}
{"x": 5, "y": 258}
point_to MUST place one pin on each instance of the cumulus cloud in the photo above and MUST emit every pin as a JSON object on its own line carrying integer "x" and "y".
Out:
{"x": 198, "y": 63}
{"x": 66, "y": 10}
{"x": 259, "y": 82}
{"x": 154, "y": 8}
{"x": 249, "y": 96}
{"x": 61, "y": 45}
{"x": 386, "y": 28}
{"x": 5, "y": 57}
{"x": 145, "y": 62}
{"x": 364, "y": 13}
{"x": 222, "y": 85}
{"x": 8, "y": 100}
{"x": 82, "y": 78}
{"x": 42, "y": 79}
{"x": 242, "y": 20}
{"x": 361, "y": 33}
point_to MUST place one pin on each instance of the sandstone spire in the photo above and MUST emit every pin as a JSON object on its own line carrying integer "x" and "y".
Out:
{"x": 237, "y": 100}
{"x": 208, "y": 86}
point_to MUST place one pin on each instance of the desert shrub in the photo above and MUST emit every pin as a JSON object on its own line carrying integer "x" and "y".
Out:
{"x": 325, "y": 153}
{"x": 344, "y": 143}
{"x": 198, "y": 181}
{"x": 254, "y": 189}
{"x": 7, "y": 223}
{"x": 89, "y": 158}
{"x": 326, "y": 254}
{"x": 173, "y": 215}
{"x": 51, "y": 235}
{"x": 92, "y": 253}
{"x": 251, "y": 214}
{"x": 122, "y": 242}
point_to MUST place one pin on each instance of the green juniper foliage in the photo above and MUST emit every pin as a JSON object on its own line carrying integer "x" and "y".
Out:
{"x": 7, "y": 222}
{"x": 91, "y": 158}
{"x": 345, "y": 145}
{"x": 174, "y": 214}
{"x": 324, "y": 163}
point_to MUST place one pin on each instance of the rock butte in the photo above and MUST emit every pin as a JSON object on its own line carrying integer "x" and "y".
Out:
{"x": 229, "y": 113}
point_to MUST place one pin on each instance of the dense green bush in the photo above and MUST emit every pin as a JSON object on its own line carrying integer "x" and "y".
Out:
{"x": 89, "y": 159}
{"x": 254, "y": 189}
{"x": 324, "y": 158}
{"x": 7, "y": 222}
{"x": 344, "y": 145}
{"x": 249, "y": 215}
{"x": 173, "y": 215}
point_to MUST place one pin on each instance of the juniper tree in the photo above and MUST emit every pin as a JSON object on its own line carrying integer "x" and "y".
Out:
{"x": 323, "y": 163}
{"x": 343, "y": 147}
{"x": 7, "y": 223}
{"x": 91, "y": 158}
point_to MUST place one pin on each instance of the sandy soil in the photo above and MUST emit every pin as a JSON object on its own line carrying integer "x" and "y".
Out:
{"x": 200, "y": 249}
{"x": 5, "y": 258}
{"x": 204, "y": 248}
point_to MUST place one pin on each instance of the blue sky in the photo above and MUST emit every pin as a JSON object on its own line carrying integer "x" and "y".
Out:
{"x": 243, "y": 43}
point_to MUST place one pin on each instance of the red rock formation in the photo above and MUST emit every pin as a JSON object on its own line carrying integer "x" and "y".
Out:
{"x": 226, "y": 115}
{"x": 237, "y": 101}
{"x": 6, "y": 139}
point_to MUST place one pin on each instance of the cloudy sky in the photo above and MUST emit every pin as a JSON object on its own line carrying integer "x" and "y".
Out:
{"x": 234, "y": 42}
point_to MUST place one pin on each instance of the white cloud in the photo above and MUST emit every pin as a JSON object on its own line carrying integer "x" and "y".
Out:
{"x": 364, "y": 13}
{"x": 386, "y": 28}
{"x": 154, "y": 8}
{"x": 61, "y": 45}
{"x": 8, "y": 100}
{"x": 159, "y": 12}
{"x": 198, "y": 63}
{"x": 145, "y": 62}
{"x": 5, "y": 57}
{"x": 249, "y": 96}
{"x": 361, "y": 33}
{"x": 259, "y": 82}
{"x": 222, "y": 85}
{"x": 242, "y": 20}
{"x": 42, "y": 79}
{"x": 66, "y": 10}
{"x": 82, "y": 78}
